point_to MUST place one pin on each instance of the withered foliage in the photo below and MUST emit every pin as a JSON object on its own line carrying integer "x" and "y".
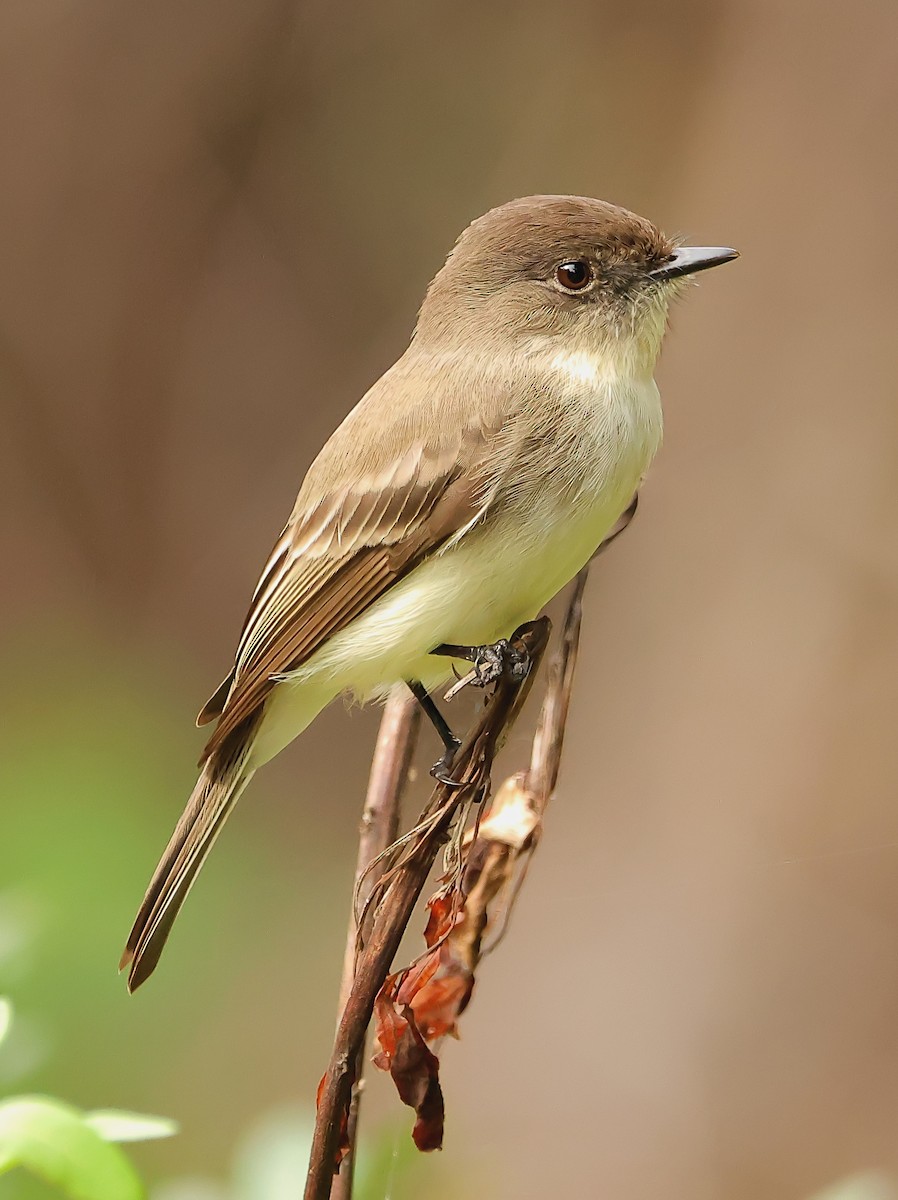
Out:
{"x": 415, "y": 1008}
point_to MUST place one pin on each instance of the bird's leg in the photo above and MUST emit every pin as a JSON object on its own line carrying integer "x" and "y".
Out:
{"x": 441, "y": 768}
{"x": 490, "y": 661}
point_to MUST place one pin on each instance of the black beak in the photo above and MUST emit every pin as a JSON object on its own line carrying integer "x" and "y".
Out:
{"x": 688, "y": 259}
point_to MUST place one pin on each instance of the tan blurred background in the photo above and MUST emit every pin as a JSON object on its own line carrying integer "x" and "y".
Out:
{"x": 216, "y": 223}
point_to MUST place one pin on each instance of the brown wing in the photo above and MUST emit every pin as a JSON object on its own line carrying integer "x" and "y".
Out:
{"x": 337, "y": 557}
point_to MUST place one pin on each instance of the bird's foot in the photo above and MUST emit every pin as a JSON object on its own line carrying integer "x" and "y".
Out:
{"x": 490, "y": 663}
{"x": 442, "y": 768}
{"x": 493, "y": 661}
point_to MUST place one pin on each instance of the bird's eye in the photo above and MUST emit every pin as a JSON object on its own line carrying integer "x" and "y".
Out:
{"x": 575, "y": 275}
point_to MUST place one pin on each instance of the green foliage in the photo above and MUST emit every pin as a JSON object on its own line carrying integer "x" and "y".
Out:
{"x": 114, "y": 1125}
{"x": 74, "y": 1151}
{"x": 54, "y": 1141}
{"x": 5, "y": 1017}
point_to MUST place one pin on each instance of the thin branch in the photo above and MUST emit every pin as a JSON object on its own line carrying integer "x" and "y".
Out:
{"x": 509, "y": 833}
{"x": 471, "y": 775}
{"x": 379, "y": 829}
{"x": 419, "y": 1005}
{"x": 548, "y": 742}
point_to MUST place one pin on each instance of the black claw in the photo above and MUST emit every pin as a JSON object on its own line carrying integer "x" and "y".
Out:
{"x": 442, "y": 768}
{"x": 490, "y": 663}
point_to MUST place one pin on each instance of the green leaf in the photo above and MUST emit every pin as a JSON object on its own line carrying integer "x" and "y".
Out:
{"x": 5, "y": 1017}
{"x": 114, "y": 1125}
{"x": 868, "y": 1185}
{"x": 52, "y": 1140}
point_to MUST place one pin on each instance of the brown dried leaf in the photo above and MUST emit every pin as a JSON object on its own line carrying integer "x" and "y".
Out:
{"x": 438, "y": 1006}
{"x": 418, "y": 1007}
{"x": 415, "y": 1070}
{"x": 443, "y": 914}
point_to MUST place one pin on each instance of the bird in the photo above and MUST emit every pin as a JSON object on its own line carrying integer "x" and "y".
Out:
{"x": 472, "y": 481}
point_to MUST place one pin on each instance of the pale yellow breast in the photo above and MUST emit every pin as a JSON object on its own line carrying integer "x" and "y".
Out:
{"x": 503, "y": 570}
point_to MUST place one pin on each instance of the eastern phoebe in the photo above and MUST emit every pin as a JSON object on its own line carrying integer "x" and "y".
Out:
{"x": 474, "y": 479}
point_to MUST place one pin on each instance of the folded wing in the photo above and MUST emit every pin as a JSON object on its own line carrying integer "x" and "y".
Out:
{"x": 344, "y": 549}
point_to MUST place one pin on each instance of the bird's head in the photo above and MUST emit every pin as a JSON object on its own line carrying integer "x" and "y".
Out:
{"x": 584, "y": 273}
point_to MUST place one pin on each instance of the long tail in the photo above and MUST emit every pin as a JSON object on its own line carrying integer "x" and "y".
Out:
{"x": 217, "y": 790}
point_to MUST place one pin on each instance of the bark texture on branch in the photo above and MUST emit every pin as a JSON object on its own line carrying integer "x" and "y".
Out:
{"x": 378, "y": 829}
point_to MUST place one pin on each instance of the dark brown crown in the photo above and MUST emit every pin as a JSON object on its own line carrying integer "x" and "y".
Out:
{"x": 528, "y": 237}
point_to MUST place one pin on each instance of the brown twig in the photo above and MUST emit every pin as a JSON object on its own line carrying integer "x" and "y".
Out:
{"x": 548, "y": 742}
{"x": 513, "y": 826}
{"x": 471, "y": 775}
{"x": 419, "y": 1005}
{"x": 379, "y": 828}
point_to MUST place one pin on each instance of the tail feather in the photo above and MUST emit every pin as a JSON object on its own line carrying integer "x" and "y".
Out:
{"x": 217, "y": 790}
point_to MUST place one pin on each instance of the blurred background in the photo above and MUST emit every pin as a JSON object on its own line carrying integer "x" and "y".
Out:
{"x": 217, "y": 223}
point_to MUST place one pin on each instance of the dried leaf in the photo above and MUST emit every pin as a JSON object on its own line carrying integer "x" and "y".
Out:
{"x": 438, "y": 1006}
{"x": 444, "y": 912}
{"x": 415, "y": 1070}
{"x": 513, "y": 816}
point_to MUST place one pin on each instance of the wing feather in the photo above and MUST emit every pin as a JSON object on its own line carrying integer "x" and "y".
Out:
{"x": 339, "y": 554}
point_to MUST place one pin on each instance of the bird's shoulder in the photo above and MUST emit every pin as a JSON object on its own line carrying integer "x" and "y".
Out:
{"x": 429, "y": 415}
